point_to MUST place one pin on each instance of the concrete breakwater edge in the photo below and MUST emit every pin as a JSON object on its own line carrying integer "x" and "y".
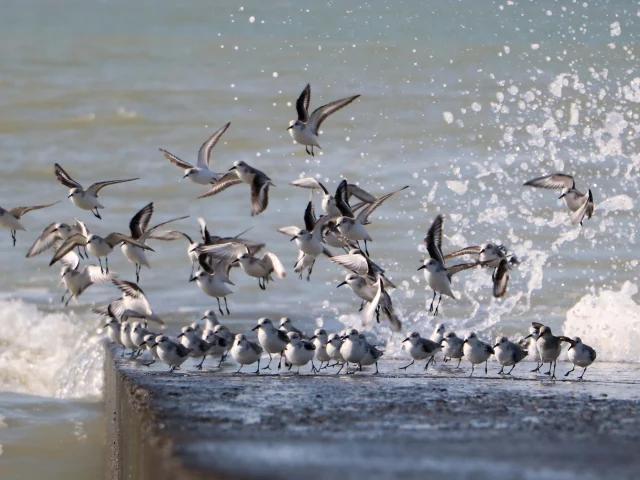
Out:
{"x": 215, "y": 424}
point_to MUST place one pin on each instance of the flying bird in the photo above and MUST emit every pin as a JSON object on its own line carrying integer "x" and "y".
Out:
{"x": 579, "y": 204}
{"x": 10, "y": 219}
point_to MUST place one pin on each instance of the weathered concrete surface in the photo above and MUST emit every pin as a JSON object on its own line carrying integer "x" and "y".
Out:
{"x": 215, "y": 424}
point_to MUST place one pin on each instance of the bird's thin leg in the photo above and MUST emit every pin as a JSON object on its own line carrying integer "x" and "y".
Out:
{"x": 313, "y": 367}
{"x": 13, "y": 236}
{"x": 106, "y": 263}
{"x": 310, "y": 270}
{"x": 257, "y": 372}
{"x": 192, "y": 269}
{"x": 567, "y": 374}
{"x": 378, "y": 314}
{"x": 150, "y": 363}
{"x": 100, "y": 261}
{"x": 80, "y": 252}
{"x": 501, "y": 372}
{"x": 226, "y": 306}
{"x": 341, "y": 367}
{"x": 97, "y": 214}
{"x": 219, "y": 307}
{"x": 428, "y": 362}
{"x": 538, "y": 367}
{"x": 280, "y": 361}
{"x": 361, "y": 306}
{"x": 86, "y": 254}
{"x": 199, "y": 366}
{"x": 307, "y": 150}
{"x": 377, "y": 372}
{"x": 220, "y": 362}
{"x": 432, "y": 300}
{"x": 240, "y": 368}
{"x": 509, "y": 372}
{"x": 365, "y": 248}
{"x": 290, "y": 365}
{"x": 459, "y": 360}
{"x": 66, "y": 304}
{"x": 407, "y": 366}
{"x": 173, "y": 367}
{"x": 65, "y": 294}
{"x": 553, "y": 376}
{"x": 138, "y": 268}
{"x": 549, "y": 372}
{"x": 583, "y": 372}
{"x": 472, "y": 367}
{"x": 347, "y": 372}
{"x": 268, "y": 367}
{"x": 437, "y": 306}
{"x": 486, "y": 367}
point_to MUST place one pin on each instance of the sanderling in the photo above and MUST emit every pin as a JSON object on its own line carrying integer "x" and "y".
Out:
{"x": 228, "y": 336}
{"x": 530, "y": 344}
{"x": 287, "y": 326}
{"x": 139, "y": 231}
{"x": 372, "y": 291}
{"x": 299, "y": 352}
{"x": 476, "y": 351}
{"x": 452, "y": 347}
{"x": 200, "y": 173}
{"x": 85, "y": 199}
{"x": 10, "y": 219}
{"x": 351, "y": 226}
{"x": 579, "y": 354}
{"x": 306, "y": 128}
{"x": 113, "y": 330}
{"x": 137, "y": 334}
{"x": 320, "y": 339}
{"x": 77, "y": 280}
{"x": 53, "y": 236}
{"x": 508, "y": 354}
{"x": 242, "y": 172}
{"x": 500, "y": 278}
{"x": 133, "y": 303}
{"x": 333, "y": 345}
{"x": 487, "y": 254}
{"x": 371, "y": 355}
{"x": 438, "y": 333}
{"x": 329, "y": 200}
{"x": 549, "y": 347}
{"x": 213, "y": 281}
{"x": 172, "y": 353}
{"x": 199, "y": 348}
{"x": 218, "y": 345}
{"x": 580, "y": 204}
{"x": 308, "y": 240}
{"x": 421, "y": 349}
{"x": 352, "y": 349}
{"x": 245, "y": 352}
{"x": 149, "y": 340}
{"x": 437, "y": 275}
{"x": 210, "y": 320}
{"x": 358, "y": 262}
{"x": 125, "y": 338}
{"x": 271, "y": 339}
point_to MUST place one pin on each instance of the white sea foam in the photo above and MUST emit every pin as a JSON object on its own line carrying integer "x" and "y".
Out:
{"x": 48, "y": 354}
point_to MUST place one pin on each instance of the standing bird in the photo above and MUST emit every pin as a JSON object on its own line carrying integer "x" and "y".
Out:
{"x": 245, "y": 352}
{"x": 437, "y": 275}
{"x": 85, "y": 199}
{"x": 549, "y": 347}
{"x": 201, "y": 173}
{"x": 172, "y": 353}
{"x": 579, "y": 354}
{"x": 508, "y": 354}
{"x": 320, "y": 339}
{"x": 579, "y": 204}
{"x": 353, "y": 348}
{"x": 299, "y": 352}
{"x": 193, "y": 341}
{"x": 476, "y": 351}
{"x": 286, "y": 325}
{"x": 371, "y": 356}
{"x": 452, "y": 346}
{"x": 530, "y": 343}
{"x": 306, "y": 128}
{"x": 421, "y": 349}
{"x": 333, "y": 345}
{"x": 10, "y": 219}
{"x": 271, "y": 339}
{"x": 242, "y": 172}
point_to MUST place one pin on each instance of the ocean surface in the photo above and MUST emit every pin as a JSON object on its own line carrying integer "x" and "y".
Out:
{"x": 462, "y": 101}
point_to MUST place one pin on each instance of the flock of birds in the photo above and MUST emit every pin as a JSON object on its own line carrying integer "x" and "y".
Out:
{"x": 343, "y": 225}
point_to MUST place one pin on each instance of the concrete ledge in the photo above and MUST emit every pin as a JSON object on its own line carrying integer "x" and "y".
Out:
{"x": 212, "y": 424}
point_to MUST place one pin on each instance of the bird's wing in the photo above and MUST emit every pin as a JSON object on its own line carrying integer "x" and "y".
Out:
{"x": 81, "y": 227}
{"x": 275, "y": 263}
{"x": 321, "y": 113}
{"x": 369, "y": 312}
{"x": 363, "y": 216}
{"x": 319, "y": 225}
{"x": 452, "y": 270}
{"x": 302, "y": 104}
{"x": 71, "y": 259}
{"x": 586, "y": 210}
{"x": 229, "y": 179}
{"x": 140, "y": 221}
{"x": 204, "y": 231}
{"x": 204, "y": 155}
{"x": 97, "y": 275}
{"x": 310, "y": 183}
{"x": 501, "y": 278}
{"x": 356, "y": 263}
{"x": 555, "y": 180}
{"x": 114, "y": 309}
{"x": 259, "y": 195}
{"x": 69, "y": 244}
{"x": 169, "y": 235}
{"x": 148, "y": 233}
{"x": 175, "y": 160}
{"x": 115, "y": 238}
{"x": 205, "y": 264}
{"x": 226, "y": 252}
{"x": 44, "y": 242}
{"x": 64, "y": 178}
{"x": 433, "y": 240}
{"x": 96, "y": 187}
{"x": 360, "y": 194}
{"x": 309, "y": 217}
{"x": 475, "y": 250}
{"x": 342, "y": 200}
{"x": 290, "y": 231}
{"x": 18, "y": 212}
{"x": 133, "y": 291}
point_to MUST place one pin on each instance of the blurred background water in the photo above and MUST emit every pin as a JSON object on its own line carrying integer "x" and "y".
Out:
{"x": 462, "y": 101}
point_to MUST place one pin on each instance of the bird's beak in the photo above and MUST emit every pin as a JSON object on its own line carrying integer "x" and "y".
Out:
{"x": 193, "y": 279}
{"x": 496, "y": 345}
{"x": 154, "y": 345}
{"x": 255, "y": 328}
{"x": 181, "y": 335}
{"x": 570, "y": 347}
{"x": 294, "y": 238}
{"x": 232, "y": 168}
{"x": 423, "y": 266}
{"x": 344, "y": 338}
{"x": 289, "y": 127}
{"x": 203, "y": 318}
{"x": 340, "y": 284}
{"x": 185, "y": 175}
{"x": 69, "y": 196}
{"x": 105, "y": 325}
{"x": 465, "y": 341}
{"x": 482, "y": 251}
{"x": 528, "y": 336}
{"x": 326, "y": 343}
{"x": 313, "y": 338}
{"x": 143, "y": 344}
{"x": 405, "y": 340}
{"x": 561, "y": 196}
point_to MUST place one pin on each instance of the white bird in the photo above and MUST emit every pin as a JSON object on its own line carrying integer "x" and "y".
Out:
{"x": 486, "y": 254}
{"x": 299, "y": 352}
{"x": 133, "y": 303}
{"x": 333, "y": 345}
{"x": 125, "y": 338}
{"x": 579, "y": 354}
{"x": 421, "y": 349}
{"x": 210, "y": 320}
{"x": 194, "y": 342}
{"x": 224, "y": 333}
{"x": 508, "y": 354}
{"x": 476, "y": 351}
{"x": 218, "y": 346}
{"x": 329, "y": 201}
{"x": 241, "y": 172}
{"x": 85, "y": 199}
{"x": 271, "y": 339}
{"x": 352, "y": 349}
{"x": 54, "y": 235}
{"x": 452, "y": 347}
{"x": 149, "y": 340}
{"x": 438, "y": 333}
{"x": 213, "y": 282}
{"x": 201, "y": 172}
{"x": 373, "y": 291}
{"x": 10, "y": 219}
{"x": 245, "y": 352}
{"x": 113, "y": 330}
{"x": 437, "y": 275}
{"x": 579, "y": 204}
{"x": 172, "y": 353}
{"x": 306, "y": 128}
{"x": 530, "y": 341}
{"x": 140, "y": 231}
{"x": 358, "y": 262}
{"x": 77, "y": 279}
{"x": 287, "y": 326}
{"x": 320, "y": 339}
{"x": 371, "y": 356}
{"x": 549, "y": 347}
{"x": 138, "y": 333}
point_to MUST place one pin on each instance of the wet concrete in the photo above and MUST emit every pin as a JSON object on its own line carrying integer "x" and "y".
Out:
{"x": 217, "y": 424}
